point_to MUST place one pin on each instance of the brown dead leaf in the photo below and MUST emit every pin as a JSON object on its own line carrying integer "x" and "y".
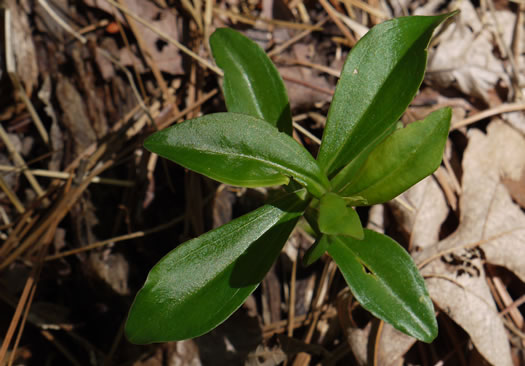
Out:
{"x": 23, "y": 46}
{"x": 425, "y": 215}
{"x": 492, "y": 228}
{"x": 488, "y": 214}
{"x": 166, "y": 56}
{"x": 464, "y": 58}
{"x": 74, "y": 115}
{"x": 466, "y": 298}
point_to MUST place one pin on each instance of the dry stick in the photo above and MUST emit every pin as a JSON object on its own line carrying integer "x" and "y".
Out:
{"x": 247, "y": 19}
{"x": 504, "y": 300}
{"x": 377, "y": 340}
{"x": 16, "y": 317}
{"x": 194, "y": 12}
{"x": 307, "y": 133}
{"x": 503, "y": 108}
{"x": 515, "y": 304}
{"x": 190, "y": 108}
{"x": 325, "y": 282}
{"x": 137, "y": 234}
{"x": 11, "y": 196}
{"x": 507, "y": 52}
{"x": 25, "y": 222}
{"x": 518, "y": 33}
{"x": 367, "y": 8}
{"x": 149, "y": 60}
{"x": 333, "y": 15}
{"x": 133, "y": 62}
{"x": 19, "y": 162}
{"x": 64, "y": 175}
{"x": 62, "y": 207}
{"x": 67, "y": 354}
{"x": 27, "y": 307}
{"x": 291, "y": 305}
{"x": 291, "y": 41}
{"x": 312, "y": 65}
{"x": 479, "y": 243}
{"x": 308, "y": 85}
{"x": 168, "y": 39}
{"x": 102, "y": 51}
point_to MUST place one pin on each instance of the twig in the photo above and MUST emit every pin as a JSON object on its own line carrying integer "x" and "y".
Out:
{"x": 308, "y": 85}
{"x": 367, "y": 8}
{"x": 312, "y": 65}
{"x": 150, "y": 61}
{"x": 332, "y": 13}
{"x": 11, "y": 196}
{"x": 64, "y": 175}
{"x": 247, "y": 19}
{"x": 19, "y": 161}
{"x": 503, "y": 108}
{"x": 168, "y": 39}
{"x": 291, "y": 41}
{"x": 291, "y": 305}
{"x": 307, "y": 133}
{"x": 102, "y": 51}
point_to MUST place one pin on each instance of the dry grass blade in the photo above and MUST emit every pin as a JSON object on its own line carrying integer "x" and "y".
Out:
{"x": 504, "y": 108}
{"x": 19, "y": 161}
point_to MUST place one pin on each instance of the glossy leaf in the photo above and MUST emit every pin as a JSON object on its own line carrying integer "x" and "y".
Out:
{"x": 379, "y": 79}
{"x": 238, "y": 149}
{"x": 336, "y": 218}
{"x": 384, "y": 279}
{"x": 252, "y": 84}
{"x": 403, "y": 159}
{"x": 202, "y": 282}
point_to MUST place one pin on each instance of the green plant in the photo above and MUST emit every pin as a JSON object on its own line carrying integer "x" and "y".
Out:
{"x": 364, "y": 159}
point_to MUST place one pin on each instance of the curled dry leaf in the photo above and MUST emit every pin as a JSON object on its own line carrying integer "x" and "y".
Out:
{"x": 23, "y": 47}
{"x": 393, "y": 345}
{"x": 464, "y": 58}
{"x": 492, "y": 227}
{"x": 421, "y": 211}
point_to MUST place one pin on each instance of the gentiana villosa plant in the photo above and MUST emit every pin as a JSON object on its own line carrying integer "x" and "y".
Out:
{"x": 364, "y": 159}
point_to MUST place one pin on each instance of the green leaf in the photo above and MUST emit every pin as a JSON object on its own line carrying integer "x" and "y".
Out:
{"x": 335, "y": 218}
{"x": 198, "y": 285}
{"x": 384, "y": 279}
{"x": 252, "y": 84}
{"x": 316, "y": 251}
{"x": 403, "y": 159}
{"x": 379, "y": 79}
{"x": 238, "y": 149}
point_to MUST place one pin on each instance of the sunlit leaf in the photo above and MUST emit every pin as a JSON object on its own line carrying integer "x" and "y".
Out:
{"x": 379, "y": 79}
{"x": 252, "y": 84}
{"x": 403, "y": 159}
{"x": 384, "y": 279}
{"x": 238, "y": 149}
{"x": 202, "y": 282}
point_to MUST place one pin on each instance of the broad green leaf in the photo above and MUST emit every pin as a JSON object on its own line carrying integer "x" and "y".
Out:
{"x": 252, "y": 84}
{"x": 379, "y": 79}
{"x": 403, "y": 159}
{"x": 238, "y": 149}
{"x": 384, "y": 279}
{"x": 336, "y": 218}
{"x": 198, "y": 285}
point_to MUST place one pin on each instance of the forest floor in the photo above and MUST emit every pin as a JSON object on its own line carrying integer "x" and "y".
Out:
{"x": 86, "y": 211}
